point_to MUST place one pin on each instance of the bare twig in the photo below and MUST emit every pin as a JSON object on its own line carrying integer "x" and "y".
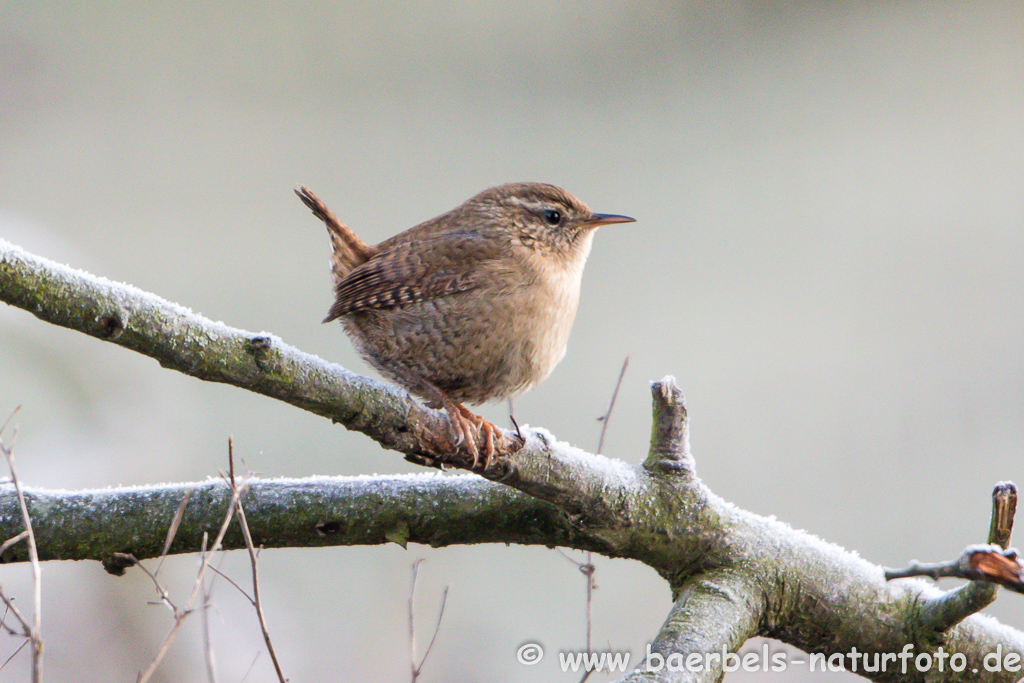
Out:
{"x": 172, "y": 530}
{"x": 35, "y": 632}
{"x": 231, "y": 461}
{"x": 985, "y": 566}
{"x": 977, "y": 563}
{"x": 588, "y": 570}
{"x": 587, "y": 567}
{"x": 26, "y": 628}
{"x": 13, "y": 609}
{"x": 416, "y": 669}
{"x": 13, "y": 540}
{"x": 20, "y": 648}
{"x": 181, "y": 614}
{"x": 165, "y": 597}
{"x": 3, "y": 623}
{"x": 254, "y": 561}
{"x": 211, "y": 670}
{"x": 234, "y": 583}
{"x": 412, "y": 619}
{"x": 251, "y": 665}
{"x": 604, "y": 419}
{"x": 437, "y": 626}
{"x": 3, "y": 428}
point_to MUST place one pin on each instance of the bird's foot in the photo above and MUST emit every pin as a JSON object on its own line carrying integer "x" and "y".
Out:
{"x": 472, "y": 432}
{"x": 471, "y": 429}
{"x": 491, "y": 435}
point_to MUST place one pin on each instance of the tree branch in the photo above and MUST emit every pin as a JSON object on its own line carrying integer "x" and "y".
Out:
{"x": 432, "y": 509}
{"x": 714, "y": 615}
{"x": 985, "y": 567}
{"x": 718, "y": 559}
{"x": 194, "y": 345}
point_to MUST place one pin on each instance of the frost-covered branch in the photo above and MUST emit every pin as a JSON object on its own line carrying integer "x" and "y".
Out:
{"x": 986, "y": 566}
{"x": 185, "y": 341}
{"x": 733, "y": 574}
{"x": 431, "y": 509}
{"x": 713, "y": 616}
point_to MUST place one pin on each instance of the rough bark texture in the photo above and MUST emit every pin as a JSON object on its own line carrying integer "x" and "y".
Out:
{"x": 733, "y": 574}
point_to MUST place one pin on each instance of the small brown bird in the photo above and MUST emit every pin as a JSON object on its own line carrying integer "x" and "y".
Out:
{"x": 474, "y": 305}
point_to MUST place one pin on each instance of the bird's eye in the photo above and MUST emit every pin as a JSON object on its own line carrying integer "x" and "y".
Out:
{"x": 552, "y": 217}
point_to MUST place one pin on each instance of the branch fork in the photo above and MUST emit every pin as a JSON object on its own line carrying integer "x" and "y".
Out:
{"x": 734, "y": 575}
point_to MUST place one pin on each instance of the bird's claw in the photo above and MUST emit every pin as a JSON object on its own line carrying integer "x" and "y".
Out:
{"x": 469, "y": 428}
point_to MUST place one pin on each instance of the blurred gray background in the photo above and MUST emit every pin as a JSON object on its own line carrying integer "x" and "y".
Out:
{"x": 829, "y": 257}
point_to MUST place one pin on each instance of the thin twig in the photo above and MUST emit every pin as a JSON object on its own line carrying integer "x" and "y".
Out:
{"x": 172, "y": 530}
{"x": 611, "y": 405}
{"x": 36, "y": 631}
{"x": 254, "y": 561}
{"x": 10, "y": 417}
{"x": 417, "y": 669}
{"x": 20, "y": 648}
{"x": 180, "y": 615}
{"x": 566, "y": 556}
{"x": 13, "y": 609}
{"x": 165, "y": 596}
{"x": 251, "y": 666}
{"x": 587, "y": 567}
{"x": 227, "y": 578}
{"x": 211, "y": 670}
{"x": 13, "y": 540}
{"x": 9, "y": 603}
{"x": 3, "y": 623}
{"x": 977, "y": 563}
{"x": 231, "y": 461}
{"x": 412, "y": 620}
{"x": 437, "y": 627}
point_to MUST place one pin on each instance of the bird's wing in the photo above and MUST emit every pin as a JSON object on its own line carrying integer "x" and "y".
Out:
{"x": 420, "y": 268}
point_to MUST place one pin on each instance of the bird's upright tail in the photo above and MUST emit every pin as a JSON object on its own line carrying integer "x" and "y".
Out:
{"x": 347, "y": 250}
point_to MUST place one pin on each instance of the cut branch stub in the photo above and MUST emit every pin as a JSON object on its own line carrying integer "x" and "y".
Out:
{"x": 734, "y": 573}
{"x": 1004, "y": 507}
{"x": 670, "y": 432}
{"x": 985, "y": 566}
{"x": 992, "y": 565}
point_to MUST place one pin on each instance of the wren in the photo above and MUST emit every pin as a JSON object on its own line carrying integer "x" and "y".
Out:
{"x": 471, "y": 306}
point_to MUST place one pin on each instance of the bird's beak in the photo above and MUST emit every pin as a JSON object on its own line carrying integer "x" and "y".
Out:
{"x": 597, "y": 219}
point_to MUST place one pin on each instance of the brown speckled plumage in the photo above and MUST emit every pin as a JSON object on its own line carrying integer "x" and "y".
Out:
{"x": 477, "y": 302}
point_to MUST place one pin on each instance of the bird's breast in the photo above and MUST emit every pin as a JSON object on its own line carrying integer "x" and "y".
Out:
{"x": 545, "y": 312}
